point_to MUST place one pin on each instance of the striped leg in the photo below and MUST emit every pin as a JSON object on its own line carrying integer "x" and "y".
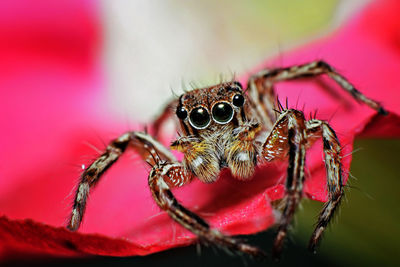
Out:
{"x": 146, "y": 146}
{"x": 161, "y": 178}
{"x": 166, "y": 173}
{"x": 288, "y": 137}
{"x": 262, "y": 94}
{"x": 317, "y": 128}
{"x": 262, "y": 98}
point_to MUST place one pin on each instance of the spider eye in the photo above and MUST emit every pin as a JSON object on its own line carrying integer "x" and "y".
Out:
{"x": 238, "y": 100}
{"x": 181, "y": 113}
{"x": 238, "y": 84}
{"x": 222, "y": 112}
{"x": 199, "y": 118}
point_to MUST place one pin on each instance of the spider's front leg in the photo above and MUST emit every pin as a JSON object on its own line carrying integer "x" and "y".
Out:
{"x": 165, "y": 175}
{"x": 288, "y": 136}
{"x": 291, "y": 135}
{"x": 147, "y": 147}
{"x": 332, "y": 148}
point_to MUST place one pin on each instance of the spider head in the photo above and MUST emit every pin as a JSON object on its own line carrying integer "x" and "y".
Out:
{"x": 211, "y": 107}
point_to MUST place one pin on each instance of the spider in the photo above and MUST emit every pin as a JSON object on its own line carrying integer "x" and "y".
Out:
{"x": 220, "y": 128}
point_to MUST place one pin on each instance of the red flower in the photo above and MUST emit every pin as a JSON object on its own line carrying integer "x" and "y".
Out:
{"x": 51, "y": 90}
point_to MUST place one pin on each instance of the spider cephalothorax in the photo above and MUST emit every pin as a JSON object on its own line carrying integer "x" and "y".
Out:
{"x": 217, "y": 133}
{"x": 221, "y": 127}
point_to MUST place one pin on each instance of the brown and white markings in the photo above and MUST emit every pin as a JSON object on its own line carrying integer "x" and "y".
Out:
{"x": 220, "y": 127}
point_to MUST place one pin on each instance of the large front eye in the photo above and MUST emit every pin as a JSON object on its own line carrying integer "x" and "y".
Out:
{"x": 199, "y": 118}
{"x": 222, "y": 112}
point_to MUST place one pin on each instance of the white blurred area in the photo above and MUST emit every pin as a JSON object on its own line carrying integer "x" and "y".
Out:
{"x": 152, "y": 47}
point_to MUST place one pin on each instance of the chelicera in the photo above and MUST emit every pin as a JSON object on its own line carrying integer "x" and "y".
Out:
{"x": 220, "y": 127}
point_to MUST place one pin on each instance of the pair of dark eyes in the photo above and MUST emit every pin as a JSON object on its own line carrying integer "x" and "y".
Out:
{"x": 222, "y": 112}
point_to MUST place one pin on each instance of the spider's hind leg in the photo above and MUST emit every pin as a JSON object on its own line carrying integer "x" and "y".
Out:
{"x": 261, "y": 84}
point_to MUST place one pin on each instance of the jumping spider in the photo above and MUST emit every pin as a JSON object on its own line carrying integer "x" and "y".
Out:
{"x": 219, "y": 126}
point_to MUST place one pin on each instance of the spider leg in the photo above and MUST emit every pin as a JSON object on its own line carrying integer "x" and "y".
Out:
{"x": 161, "y": 178}
{"x": 300, "y": 135}
{"x": 331, "y": 146}
{"x": 164, "y": 117}
{"x": 144, "y": 144}
{"x": 262, "y": 98}
{"x": 166, "y": 173}
{"x": 288, "y": 136}
{"x": 261, "y": 85}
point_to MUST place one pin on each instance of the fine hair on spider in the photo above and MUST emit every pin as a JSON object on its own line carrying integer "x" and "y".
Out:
{"x": 219, "y": 128}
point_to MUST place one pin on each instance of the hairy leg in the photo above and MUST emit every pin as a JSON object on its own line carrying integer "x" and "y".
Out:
{"x": 283, "y": 141}
{"x": 288, "y": 138}
{"x": 166, "y": 173}
{"x": 161, "y": 178}
{"x": 262, "y": 98}
{"x": 262, "y": 94}
{"x": 331, "y": 146}
{"x": 147, "y": 147}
